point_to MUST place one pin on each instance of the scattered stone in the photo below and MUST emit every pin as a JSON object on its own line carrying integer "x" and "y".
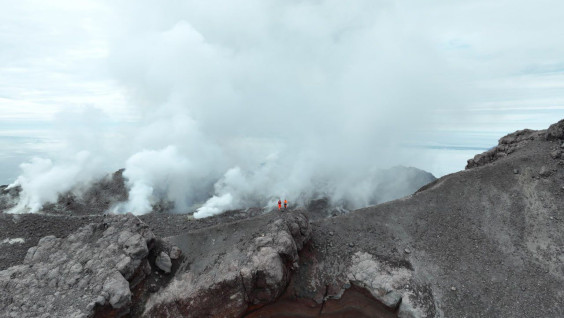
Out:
{"x": 351, "y": 244}
{"x": 175, "y": 252}
{"x": 153, "y": 288}
{"x": 556, "y": 154}
{"x": 163, "y": 262}
{"x": 453, "y": 288}
{"x": 331, "y": 233}
{"x": 407, "y": 251}
{"x": 545, "y": 172}
{"x": 515, "y": 171}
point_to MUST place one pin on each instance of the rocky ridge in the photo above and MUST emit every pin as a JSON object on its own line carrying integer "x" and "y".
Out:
{"x": 250, "y": 265}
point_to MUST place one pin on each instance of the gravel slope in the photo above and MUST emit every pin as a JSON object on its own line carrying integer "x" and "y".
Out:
{"x": 486, "y": 242}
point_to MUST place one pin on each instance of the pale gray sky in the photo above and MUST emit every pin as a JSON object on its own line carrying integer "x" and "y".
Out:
{"x": 310, "y": 85}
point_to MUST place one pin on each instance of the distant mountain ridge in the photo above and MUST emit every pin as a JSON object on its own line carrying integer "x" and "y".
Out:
{"x": 100, "y": 196}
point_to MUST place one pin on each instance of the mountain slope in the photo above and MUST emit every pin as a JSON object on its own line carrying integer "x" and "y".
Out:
{"x": 484, "y": 242}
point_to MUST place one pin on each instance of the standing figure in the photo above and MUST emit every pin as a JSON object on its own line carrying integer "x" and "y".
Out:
{"x": 279, "y": 204}
{"x": 285, "y": 203}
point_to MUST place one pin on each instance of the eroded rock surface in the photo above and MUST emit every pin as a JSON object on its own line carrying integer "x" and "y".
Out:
{"x": 72, "y": 277}
{"x": 231, "y": 267}
{"x": 163, "y": 262}
{"x": 555, "y": 131}
{"x": 506, "y": 146}
{"x": 9, "y": 197}
{"x": 387, "y": 283}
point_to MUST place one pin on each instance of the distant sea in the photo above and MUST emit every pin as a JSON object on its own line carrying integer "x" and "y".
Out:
{"x": 440, "y": 152}
{"x": 432, "y": 156}
{"x": 16, "y": 149}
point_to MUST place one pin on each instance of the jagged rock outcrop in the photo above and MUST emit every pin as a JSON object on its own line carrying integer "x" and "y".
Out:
{"x": 92, "y": 269}
{"x": 507, "y": 145}
{"x": 555, "y": 131}
{"x": 96, "y": 198}
{"x": 9, "y": 197}
{"x": 231, "y": 267}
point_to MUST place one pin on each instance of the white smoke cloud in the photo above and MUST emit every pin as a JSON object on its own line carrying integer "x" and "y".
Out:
{"x": 253, "y": 102}
{"x": 154, "y": 175}
{"x": 291, "y": 95}
{"x": 240, "y": 103}
{"x": 42, "y": 180}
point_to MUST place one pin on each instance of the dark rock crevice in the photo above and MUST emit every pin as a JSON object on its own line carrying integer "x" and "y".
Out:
{"x": 354, "y": 302}
{"x": 226, "y": 281}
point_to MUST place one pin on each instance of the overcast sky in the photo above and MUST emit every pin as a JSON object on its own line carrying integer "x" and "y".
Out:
{"x": 217, "y": 85}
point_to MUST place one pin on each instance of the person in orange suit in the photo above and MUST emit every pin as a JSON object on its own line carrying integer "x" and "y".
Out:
{"x": 279, "y": 204}
{"x": 285, "y": 203}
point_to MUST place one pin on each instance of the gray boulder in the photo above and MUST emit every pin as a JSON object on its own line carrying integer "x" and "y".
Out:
{"x": 163, "y": 262}
{"x": 545, "y": 172}
{"x": 175, "y": 252}
{"x": 70, "y": 277}
{"x": 555, "y": 154}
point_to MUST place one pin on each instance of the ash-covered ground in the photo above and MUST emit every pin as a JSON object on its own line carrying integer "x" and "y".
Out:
{"x": 82, "y": 206}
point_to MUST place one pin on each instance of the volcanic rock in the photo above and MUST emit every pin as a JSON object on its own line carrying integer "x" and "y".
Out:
{"x": 555, "y": 131}
{"x": 175, "y": 252}
{"x": 545, "y": 172}
{"x": 231, "y": 267}
{"x": 507, "y": 145}
{"x": 9, "y": 197}
{"x": 482, "y": 237}
{"x": 163, "y": 262}
{"x": 71, "y": 277}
